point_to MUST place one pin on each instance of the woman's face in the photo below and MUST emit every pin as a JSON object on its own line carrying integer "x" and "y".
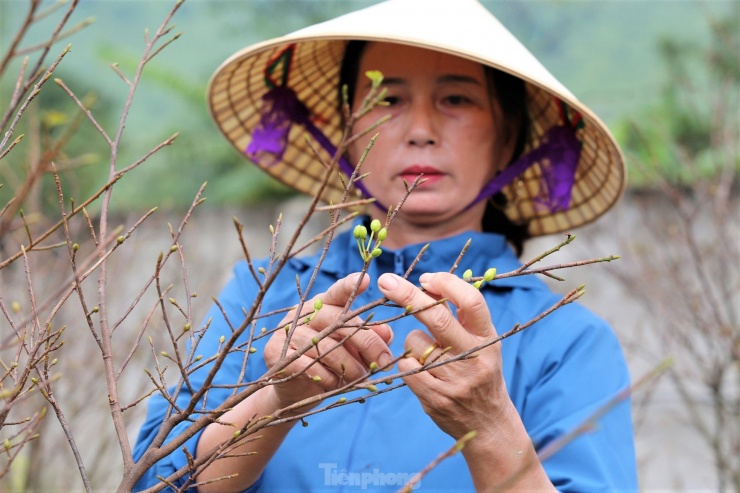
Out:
{"x": 444, "y": 124}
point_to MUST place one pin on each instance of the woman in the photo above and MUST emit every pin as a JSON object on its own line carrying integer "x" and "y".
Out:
{"x": 503, "y": 159}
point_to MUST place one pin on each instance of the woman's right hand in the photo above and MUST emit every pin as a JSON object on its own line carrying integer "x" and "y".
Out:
{"x": 346, "y": 363}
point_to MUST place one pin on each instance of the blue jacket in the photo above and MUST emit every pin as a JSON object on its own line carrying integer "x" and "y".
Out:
{"x": 558, "y": 372}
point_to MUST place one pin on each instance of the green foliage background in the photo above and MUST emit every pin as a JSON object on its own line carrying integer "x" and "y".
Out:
{"x": 608, "y": 53}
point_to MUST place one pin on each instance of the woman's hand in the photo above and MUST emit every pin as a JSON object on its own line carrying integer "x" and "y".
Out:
{"x": 346, "y": 363}
{"x": 465, "y": 395}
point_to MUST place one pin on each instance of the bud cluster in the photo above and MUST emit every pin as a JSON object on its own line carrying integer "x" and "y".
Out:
{"x": 369, "y": 244}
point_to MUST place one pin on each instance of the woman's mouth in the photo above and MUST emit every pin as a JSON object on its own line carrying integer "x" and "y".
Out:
{"x": 429, "y": 174}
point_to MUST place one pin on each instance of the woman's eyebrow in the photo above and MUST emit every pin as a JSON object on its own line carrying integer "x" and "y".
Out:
{"x": 465, "y": 79}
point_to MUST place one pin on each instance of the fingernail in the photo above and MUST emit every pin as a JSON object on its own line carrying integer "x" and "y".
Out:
{"x": 384, "y": 359}
{"x": 388, "y": 281}
{"x": 390, "y": 339}
{"x": 426, "y": 278}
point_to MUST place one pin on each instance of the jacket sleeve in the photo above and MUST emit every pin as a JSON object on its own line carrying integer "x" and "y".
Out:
{"x": 579, "y": 372}
{"x": 238, "y": 293}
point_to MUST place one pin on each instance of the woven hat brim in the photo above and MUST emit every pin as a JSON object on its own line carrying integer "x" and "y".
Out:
{"x": 235, "y": 98}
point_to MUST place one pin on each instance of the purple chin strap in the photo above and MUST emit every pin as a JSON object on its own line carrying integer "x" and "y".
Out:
{"x": 558, "y": 154}
{"x": 280, "y": 109}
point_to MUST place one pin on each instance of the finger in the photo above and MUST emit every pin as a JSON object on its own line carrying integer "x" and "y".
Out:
{"x": 422, "y": 347}
{"x": 472, "y": 310}
{"x": 338, "y": 293}
{"x": 440, "y": 321}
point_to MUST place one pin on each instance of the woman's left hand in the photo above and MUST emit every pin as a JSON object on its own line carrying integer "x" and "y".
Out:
{"x": 465, "y": 395}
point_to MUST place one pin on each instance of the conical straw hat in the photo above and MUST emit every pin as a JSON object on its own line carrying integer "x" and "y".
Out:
{"x": 459, "y": 27}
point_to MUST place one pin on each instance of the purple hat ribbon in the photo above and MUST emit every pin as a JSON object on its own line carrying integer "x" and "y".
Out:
{"x": 281, "y": 108}
{"x": 558, "y": 156}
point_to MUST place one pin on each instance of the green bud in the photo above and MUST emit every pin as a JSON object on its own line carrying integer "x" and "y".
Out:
{"x": 237, "y": 433}
{"x": 95, "y": 309}
{"x": 261, "y": 270}
{"x": 477, "y": 284}
{"x": 263, "y": 329}
{"x": 374, "y": 367}
{"x": 316, "y": 378}
{"x": 360, "y": 232}
{"x": 6, "y": 444}
{"x": 375, "y": 225}
{"x": 15, "y": 307}
{"x": 198, "y": 358}
{"x": 120, "y": 239}
{"x": 382, "y": 234}
{"x": 173, "y": 248}
{"x": 489, "y": 274}
{"x": 172, "y": 300}
{"x": 194, "y": 295}
{"x": 75, "y": 247}
{"x": 221, "y": 339}
{"x": 467, "y": 274}
{"x": 315, "y": 341}
{"x": 186, "y": 327}
{"x": 372, "y": 388}
{"x": 252, "y": 350}
{"x": 318, "y": 304}
{"x": 376, "y": 252}
{"x": 35, "y": 380}
{"x": 54, "y": 361}
{"x": 409, "y": 309}
{"x": 376, "y": 77}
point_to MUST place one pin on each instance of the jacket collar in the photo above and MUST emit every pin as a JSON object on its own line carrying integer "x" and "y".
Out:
{"x": 486, "y": 250}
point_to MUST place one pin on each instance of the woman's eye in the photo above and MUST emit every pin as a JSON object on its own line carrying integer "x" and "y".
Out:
{"x": 456, "y": 100}
{"x": 391, "y": 100}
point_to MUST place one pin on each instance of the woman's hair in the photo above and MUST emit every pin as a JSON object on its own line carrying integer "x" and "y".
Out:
{"x": 510, "y": 93}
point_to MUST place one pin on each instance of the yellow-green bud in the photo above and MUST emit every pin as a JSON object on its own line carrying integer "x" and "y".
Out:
{"x": 237, "y": 433}
{"x": 75, "y": 247}
{"x": 15, "y": 307}
{"x": 186, "y": 327}
{"x": 172, "y": 300}
{"x": 489, "y": 274}
{"x": 173, "y": 248}
{"x": 373, "y": 367}
{"x": 382, "y": 234}
{"x": 467, "y": 274}
{"x": 6, "y": 444}
{"x": 198, "y": 358}
{"x": 375, "y": 225}
{"x": 477, "y": 284}
{"x": 372, "y": 388}
{"x": 34, "y": 380}
{"x": 316, "y": 378}
{"x": 164, "y": 353}
{"x": 318, "y": 304}
{"x": 54, "y": 361}
{"x": 263, "y": 329}
{"x": 95, "y": 309}
{"x": 221, "y": 339}
{"x": 261, "y": 270}
{"x": 342, "y": 400}
{"x": 194, "y": 295}
{"x": 376, "y": 252}
{"x": 360, "y": 232}
{"x": 252, "y": 350}
{"x": 120, "y": 239}
{"x": 315, "y": 341}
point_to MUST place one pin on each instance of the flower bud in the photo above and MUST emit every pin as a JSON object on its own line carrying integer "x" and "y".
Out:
{"x": 318, "y": 304}
{"x": 252, "y": 350}
{"x": 382, "y": 234}
{"x": 376, "y": 252}
{"x": 120, "y": 239}
{"x": 221, "y": 339}
{"x": 316, "y": 378}
{"x": 75, "y": 247}
{"x": 375, "y": 225}
{"x": 489, "y": 274}
{"x": 467, "y": 274}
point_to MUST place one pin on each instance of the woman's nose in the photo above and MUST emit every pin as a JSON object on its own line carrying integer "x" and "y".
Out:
{"x": 421, "y": 129}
